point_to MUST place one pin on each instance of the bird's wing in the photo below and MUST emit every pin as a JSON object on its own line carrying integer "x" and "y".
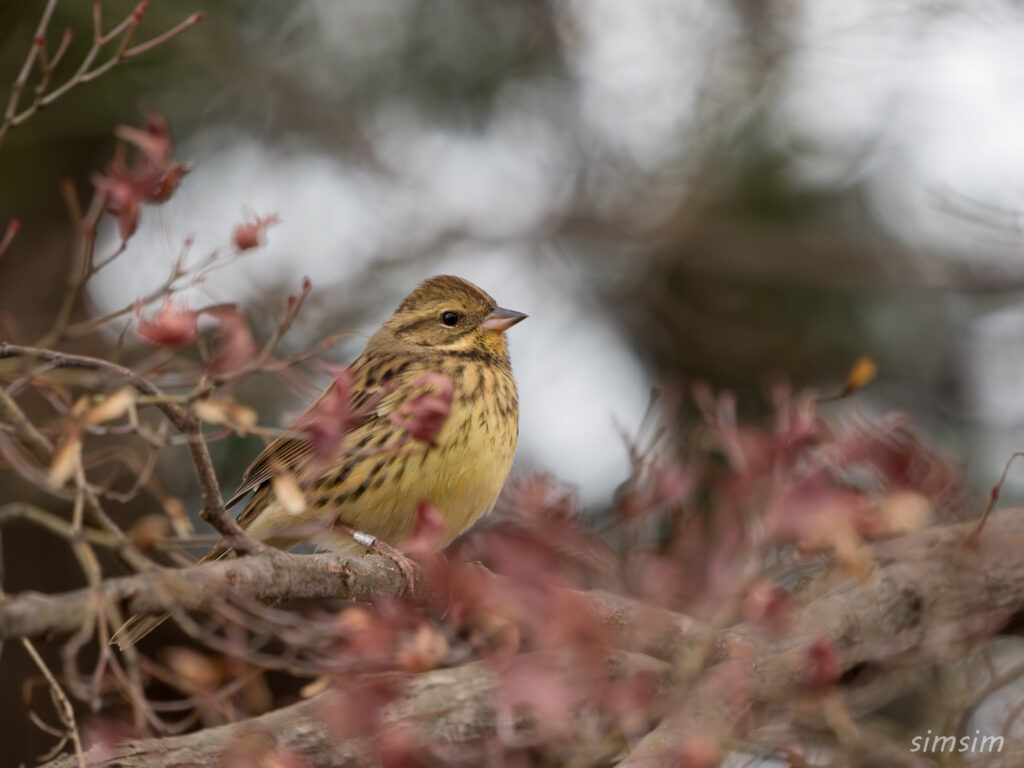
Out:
{"x": 284, "y": 453}
{"x": 372, "y": 395}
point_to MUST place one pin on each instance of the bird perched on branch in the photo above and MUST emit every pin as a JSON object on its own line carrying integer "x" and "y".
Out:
{"x": 426, "y": 419}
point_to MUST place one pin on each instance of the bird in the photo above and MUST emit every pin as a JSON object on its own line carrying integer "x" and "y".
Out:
{"x": 446, "y": 340}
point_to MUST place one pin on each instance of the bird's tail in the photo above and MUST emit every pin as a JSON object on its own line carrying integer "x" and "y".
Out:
{"x": 141, "y": 624}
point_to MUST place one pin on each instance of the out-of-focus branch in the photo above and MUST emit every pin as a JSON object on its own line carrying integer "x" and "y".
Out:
{"x": 658, "y": 632}
{"x": 449, "y": 710}
{"x": 24, "y": 429}
{"x": 299, "y": 729}
{"x": 185, "y": 421}
{"x": 930, "y": 596}
{"x": 60, "y": 700}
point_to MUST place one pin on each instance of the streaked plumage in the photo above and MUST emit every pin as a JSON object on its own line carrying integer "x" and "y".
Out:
{"x": 378, "y": 475}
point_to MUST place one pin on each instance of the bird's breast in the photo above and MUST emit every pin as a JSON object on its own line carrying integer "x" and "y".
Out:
{"x": 462, "y": 474}
{"x": 476, "y": 447}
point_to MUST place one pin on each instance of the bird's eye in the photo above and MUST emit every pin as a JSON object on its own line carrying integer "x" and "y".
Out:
{"x": 450, "y": 318}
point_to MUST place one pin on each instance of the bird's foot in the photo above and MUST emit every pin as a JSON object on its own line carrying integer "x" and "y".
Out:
{"x": 406, "y": 565}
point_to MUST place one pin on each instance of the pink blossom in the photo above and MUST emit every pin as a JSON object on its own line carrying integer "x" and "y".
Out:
{"x": 249, "y": 234}
{"x": 330, "y": 419}
{"x": 152, "y": 178}
{"x": 424, "y": 415}
{"x": 236, "y": 348}
{"x": 427, "y": 531}
{"x": 171, "y": 326}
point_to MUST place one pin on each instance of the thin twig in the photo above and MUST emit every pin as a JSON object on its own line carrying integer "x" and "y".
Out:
{"x": 85, "y": 72}
{"x": 185, "y": 421}
{"x": 67, "y": 714}
{"x": 26, "y": 67}
{"x": 35, "y": 440}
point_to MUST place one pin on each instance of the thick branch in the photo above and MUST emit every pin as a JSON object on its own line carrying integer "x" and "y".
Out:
{"x": 445, "y": 709}
{"x": 301, "y": 728}
{"x": 270, "y": 578}
{"x": 931, "y": 597}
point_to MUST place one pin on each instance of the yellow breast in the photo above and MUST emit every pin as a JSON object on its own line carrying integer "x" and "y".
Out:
{"x": 378, "y": 487}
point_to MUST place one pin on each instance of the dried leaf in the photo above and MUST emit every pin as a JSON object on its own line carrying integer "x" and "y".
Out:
{"x": 319, "y": 685}
{"x": 113, "y": 407}
{"x": 223, "y": 411}
{"x": 66, "y": 460}
{"x": 288, "y": 492}
{"x": 850, "y": 549}
{"x": 424, "y": 651}
{"x": 904, "y": 511}
{"x": 193, "y": 671}
{"x": 149, "y": 530}
{"x": 175, "y": 510}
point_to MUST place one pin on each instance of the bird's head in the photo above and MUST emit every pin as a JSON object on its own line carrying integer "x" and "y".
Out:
{"x": 447, "y": 313}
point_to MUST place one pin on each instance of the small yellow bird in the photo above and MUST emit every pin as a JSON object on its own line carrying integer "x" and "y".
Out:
{"x": 377, "y": 476}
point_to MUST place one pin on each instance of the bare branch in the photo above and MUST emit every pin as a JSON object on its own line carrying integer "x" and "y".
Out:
{"x": 67, "y": 714}
{"x": 184, "y": 421}
{"x": 266, "y": 578}
{"x": 86, "y": 72}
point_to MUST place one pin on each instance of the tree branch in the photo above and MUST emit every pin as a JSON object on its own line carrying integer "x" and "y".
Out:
{"x": 185, "y": 421}
{"x": 444, "y": 710}
{"x": 266, "y": 578}
{"x": 931, "y": 596}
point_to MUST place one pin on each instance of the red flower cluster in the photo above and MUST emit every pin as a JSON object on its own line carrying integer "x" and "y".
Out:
{"x": 152, "y": 178}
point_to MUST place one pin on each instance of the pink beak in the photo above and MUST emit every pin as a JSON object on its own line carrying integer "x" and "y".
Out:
{"x": 501, "y": 319}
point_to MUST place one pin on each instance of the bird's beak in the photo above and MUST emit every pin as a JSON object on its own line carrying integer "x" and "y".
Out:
{"x": 501, "y": 319}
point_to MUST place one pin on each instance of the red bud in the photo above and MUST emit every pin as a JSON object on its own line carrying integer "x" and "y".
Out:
{"x": 822, "y": 663}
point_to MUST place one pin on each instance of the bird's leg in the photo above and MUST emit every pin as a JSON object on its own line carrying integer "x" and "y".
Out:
{"x": 377, "y": 546}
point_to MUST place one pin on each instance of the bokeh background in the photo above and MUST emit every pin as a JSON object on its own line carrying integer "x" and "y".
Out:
{"x": 671, "y": 189}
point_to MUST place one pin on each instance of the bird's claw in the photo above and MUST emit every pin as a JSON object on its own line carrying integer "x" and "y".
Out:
{"x": 405, "y": 564}
{"x": 376, "y": 546}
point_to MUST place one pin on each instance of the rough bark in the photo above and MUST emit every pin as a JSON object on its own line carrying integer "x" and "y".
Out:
{"x": 266, "y": 578}
{"x": 930, "y": 597}
{"x": 451, "y": 710}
